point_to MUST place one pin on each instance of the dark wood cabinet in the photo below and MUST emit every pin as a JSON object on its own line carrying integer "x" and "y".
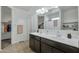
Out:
{"x": 32, "y": 42}
{"x": 47, "y": 48}
{"x": 35, "y": 43}
{"x": 43, "y": 45}
{"x": 37, "y": 46}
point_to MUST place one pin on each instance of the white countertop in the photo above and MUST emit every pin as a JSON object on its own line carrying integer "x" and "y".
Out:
{"x": 71, "y": 42}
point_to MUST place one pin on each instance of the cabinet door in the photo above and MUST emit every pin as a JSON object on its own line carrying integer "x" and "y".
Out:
{"x": 55, "y": 50}
{"x": 35, "y": 43}
{"x": 32, "y": 43}
{"x": 37, "y": 46}
{"x": 45, "y": 48}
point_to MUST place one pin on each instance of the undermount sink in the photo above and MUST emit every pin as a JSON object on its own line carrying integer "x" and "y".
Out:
{"x": 62, "y": 39}
{"x": 73, "y": 42}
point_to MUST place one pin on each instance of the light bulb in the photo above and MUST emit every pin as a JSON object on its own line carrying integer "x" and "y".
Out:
{"x": 41, "y": 11}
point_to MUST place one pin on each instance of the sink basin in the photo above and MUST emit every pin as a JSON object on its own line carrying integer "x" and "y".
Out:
{"x": 72, "y": 42}
{"x": 61, "y": 39}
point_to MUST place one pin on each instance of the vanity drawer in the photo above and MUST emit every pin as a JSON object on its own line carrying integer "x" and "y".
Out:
{"x": 43, "y": 40}
{"x": 67, "y": 48}
{"x": 31, "y": 36}
{"x": 61, "y": 46}
{"x": 35, "y": 37}
{"x": 45, "y": 48}
{"x": 49, "y": 42}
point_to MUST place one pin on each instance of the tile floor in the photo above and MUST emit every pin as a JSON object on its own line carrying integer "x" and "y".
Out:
{"x": 21, "y": 47}
{"x": 5, "y": 43}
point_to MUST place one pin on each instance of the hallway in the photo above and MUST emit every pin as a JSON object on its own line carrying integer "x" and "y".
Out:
{"x": 5, "y": 43}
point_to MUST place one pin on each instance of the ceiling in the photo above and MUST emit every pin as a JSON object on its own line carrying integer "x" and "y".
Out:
{"x": 67, "y": 7}
{"x": 31, "y": 9}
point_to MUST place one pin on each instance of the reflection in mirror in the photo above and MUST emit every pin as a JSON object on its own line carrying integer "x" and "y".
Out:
{"x": 40, "y": 22}
{"x": 69, "y": 17}
{"x": 70, "y": 26}
{"x": 60, "y": 18}
{"x": 53, "y": 19}
{"x": 55, "y": 23}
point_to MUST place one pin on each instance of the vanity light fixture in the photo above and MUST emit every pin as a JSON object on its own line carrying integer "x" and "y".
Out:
{"x": 44, "y": 10}
{"x": 41, "y": 11}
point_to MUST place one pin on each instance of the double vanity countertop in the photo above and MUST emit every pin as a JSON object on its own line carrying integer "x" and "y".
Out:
{"x": 72, "y": 42}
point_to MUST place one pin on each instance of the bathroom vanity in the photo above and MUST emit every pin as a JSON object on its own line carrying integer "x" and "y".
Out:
{"x": 63, "y": 24}
{"x": 42, "y": 43}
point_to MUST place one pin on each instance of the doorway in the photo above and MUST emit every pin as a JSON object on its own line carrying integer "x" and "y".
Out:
{"x": 6, "y": 21}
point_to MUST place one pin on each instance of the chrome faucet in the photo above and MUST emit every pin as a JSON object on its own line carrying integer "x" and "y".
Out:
{"x": 58, "y": 34}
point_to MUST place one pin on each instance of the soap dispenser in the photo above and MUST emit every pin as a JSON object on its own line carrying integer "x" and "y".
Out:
{"x": 69, "y": 36}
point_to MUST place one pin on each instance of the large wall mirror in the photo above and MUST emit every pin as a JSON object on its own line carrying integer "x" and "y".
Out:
{"x": 53, "y": 19}
{"x": 60, "y": 18}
